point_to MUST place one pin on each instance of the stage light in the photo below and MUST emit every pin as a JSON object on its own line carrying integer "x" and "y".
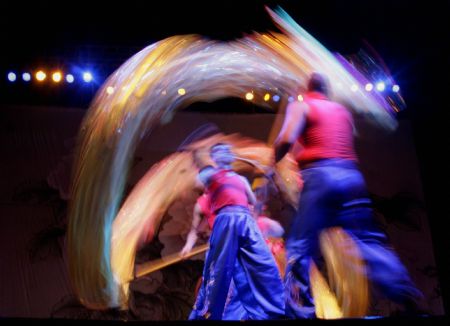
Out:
{"x": 110, "y": 90}
{"x": 300, "y": 98}
{"x": 395, "y": 88}
{"x": 290, "y": 99}
{"x": 40, "y": 75}
{"x": 381, "y": 86}
{"x": 181, "y": 91}
{"x": 87, "y": 77}
{"x": 249, "y": 96}
{"x": 354, "y": 88}
{"x": 12, "y": 76}
{"x": 266, "y": 97}
{"x": 26, "y": 76}
{"x": 70, "y": 78}
{"x": 57, "y": 76}
{"x": 276, "y": 98}
{"x": 369, "y": 87}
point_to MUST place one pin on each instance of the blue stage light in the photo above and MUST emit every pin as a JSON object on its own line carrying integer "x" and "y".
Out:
{"x": 12, "y": 77}
{"x": 26, "y": 76}
{"x": 381, "y": 86}
{"x": 87, "y": 77}
{"x": 69, "y": 78}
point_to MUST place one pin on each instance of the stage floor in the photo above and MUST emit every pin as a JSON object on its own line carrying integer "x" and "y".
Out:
{"x": 421, "y": 320}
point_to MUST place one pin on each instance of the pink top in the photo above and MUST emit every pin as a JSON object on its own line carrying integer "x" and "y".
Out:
{"x": 328, "y": 131}
{"x": 205, "y": 205}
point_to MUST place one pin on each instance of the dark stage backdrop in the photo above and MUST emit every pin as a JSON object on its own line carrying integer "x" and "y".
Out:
{"x": 36, "y": 147}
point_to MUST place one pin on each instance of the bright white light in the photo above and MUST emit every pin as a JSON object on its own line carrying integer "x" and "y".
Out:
{"x": 395, "y": 88}
{"x": 110, "y": 90}
{"x": 12, "y": 77}
{"x": 381, "y": 86}
{"x": 26, "y": 76}
{"x": 300, "y": 98}
{"x": 369, "y": 87}
{"x": 276, "y": 98}
{"x": 354, "y": 88}
{"x": 181, "y": 91}
{"x": 87, "y": 77}
{"x": 249, "y": 96}
{"x": 69, "y": 78}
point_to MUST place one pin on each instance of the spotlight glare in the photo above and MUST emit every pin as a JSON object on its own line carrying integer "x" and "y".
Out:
{"x": 300, "y": 98}
{"x": 26, "y": 76}
{"x": 381, "y": 86}
{"x": 40, "y": 75}
{"x": 87, "y": 77}
{"x": 70, "y": 78}
{"x": 395, "y": 88}
{"x": 56, "y": 77}
{"x": 354, "y": 88}
{"x": 266, "y": 97}
{"x": 12, "y": 76}
{"x": 369, "y": 87}
{"x": 110, "y": 90}
{"x": 276, "y": 98}
{"x": 181, "y": 91}
{"x": 249, "y": 96}
{"x": 290, "y": 99}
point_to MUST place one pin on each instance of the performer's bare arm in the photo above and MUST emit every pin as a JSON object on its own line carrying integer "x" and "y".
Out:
{"x": 197, "y": 219}
{"x": 294, "y": 122}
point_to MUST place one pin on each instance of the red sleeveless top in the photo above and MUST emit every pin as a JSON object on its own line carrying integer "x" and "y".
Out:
{"x": 226, "y": 188}
{"x": 328, "y": 131}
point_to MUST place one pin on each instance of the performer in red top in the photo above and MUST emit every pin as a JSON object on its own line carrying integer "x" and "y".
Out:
{"x": 334, "y": 194}
{"x": 237, "y": 248}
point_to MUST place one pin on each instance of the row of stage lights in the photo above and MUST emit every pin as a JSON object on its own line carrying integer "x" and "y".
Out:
{"x": 87, "y": 77}
{"x": 369, "y": 87}
{"x": 249, "y": 96}
{"x": 56, "y": 77}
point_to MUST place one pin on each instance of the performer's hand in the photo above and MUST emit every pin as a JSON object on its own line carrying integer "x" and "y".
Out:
{"x": 186, "y": 250}
{"x": 190, "y": 242}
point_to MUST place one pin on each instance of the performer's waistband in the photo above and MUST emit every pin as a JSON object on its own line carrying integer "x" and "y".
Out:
{"x": 336, "y": 162}
{"x": 233, "y": 209}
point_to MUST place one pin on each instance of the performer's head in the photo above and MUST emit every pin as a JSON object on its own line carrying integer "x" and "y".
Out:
{"x": 221, "y": 154}
{"x": 318, "y": 83}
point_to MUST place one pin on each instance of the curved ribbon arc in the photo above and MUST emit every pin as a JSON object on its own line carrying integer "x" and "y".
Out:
{"x": 147, "y": 90}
